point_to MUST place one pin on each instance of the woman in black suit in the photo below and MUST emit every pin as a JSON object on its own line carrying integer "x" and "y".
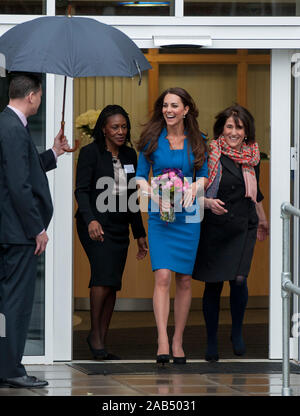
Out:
{"x": 105, "y": 172}
{"x": 234, "y": 217}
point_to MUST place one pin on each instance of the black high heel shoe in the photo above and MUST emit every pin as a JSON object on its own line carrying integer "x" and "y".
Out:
{"x": 99, "y": 354}
{"x": 163, "y": 359}
{"x": 211, "y": 358}
{"x": 111, "y": 356}
{"x": 179, "y": 360}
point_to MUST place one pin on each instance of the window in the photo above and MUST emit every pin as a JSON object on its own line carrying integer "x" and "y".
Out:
{"x": 23, "y": 7}
{"x": 116, "y": 7}
{"x": 242, "y": 8}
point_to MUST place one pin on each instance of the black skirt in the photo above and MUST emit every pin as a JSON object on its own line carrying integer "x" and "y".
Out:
{"x": 107, "y": 259}
{"x": 225, "y": 250}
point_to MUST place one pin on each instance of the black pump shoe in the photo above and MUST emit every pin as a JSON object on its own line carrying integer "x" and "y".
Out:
{"x": 99, "y": 354}
{"x": 211, "y": 357}
{"x": 179, "y": 360}
{"x": 111, "y": 356}
{"x": 163, "y": 359}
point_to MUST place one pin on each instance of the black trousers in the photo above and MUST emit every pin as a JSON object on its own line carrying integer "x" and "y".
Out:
{"x": 18, "y": 270}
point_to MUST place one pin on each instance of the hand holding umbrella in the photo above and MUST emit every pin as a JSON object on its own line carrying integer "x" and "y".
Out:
{"x": 61, "y": 144}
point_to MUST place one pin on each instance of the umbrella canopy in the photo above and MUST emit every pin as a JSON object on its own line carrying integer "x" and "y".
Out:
{"x": 71, "y": 46}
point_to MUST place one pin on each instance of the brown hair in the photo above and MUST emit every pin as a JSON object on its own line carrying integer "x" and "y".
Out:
{"x": 153, "y": 128}
{"x": 22, "y": 84}
{"x": 238, "y": 113}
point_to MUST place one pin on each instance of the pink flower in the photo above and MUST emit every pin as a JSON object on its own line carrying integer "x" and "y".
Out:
{"x": 178, "y": 183}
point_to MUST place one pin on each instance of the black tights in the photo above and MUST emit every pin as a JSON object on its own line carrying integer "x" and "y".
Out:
{"x": 211, "y": 307}
{"x": 103, "y": 299}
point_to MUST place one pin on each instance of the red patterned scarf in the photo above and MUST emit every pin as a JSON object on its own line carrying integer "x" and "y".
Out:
{"x": 248, "y": 157}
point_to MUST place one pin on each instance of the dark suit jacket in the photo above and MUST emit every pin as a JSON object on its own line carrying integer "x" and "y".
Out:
{"x": 92, "y": 165}
{"x": 227, "y": 241}
{"x": 25, "y": 201}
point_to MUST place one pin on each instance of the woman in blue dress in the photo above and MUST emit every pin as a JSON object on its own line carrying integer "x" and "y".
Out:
{"x": 172, "y": 140}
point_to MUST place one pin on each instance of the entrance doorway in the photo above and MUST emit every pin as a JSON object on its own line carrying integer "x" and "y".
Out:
{"x": 215, "y": 79}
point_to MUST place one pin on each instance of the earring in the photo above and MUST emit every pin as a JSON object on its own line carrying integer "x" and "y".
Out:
{"x": 245, "y": 139}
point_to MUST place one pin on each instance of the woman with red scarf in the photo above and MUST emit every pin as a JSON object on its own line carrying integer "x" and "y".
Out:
{"x": 234, "y": 217}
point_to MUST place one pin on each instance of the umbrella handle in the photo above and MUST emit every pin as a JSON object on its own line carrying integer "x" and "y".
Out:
{"x": 73, "y": 149}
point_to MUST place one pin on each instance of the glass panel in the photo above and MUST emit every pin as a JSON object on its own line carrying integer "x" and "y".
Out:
{"x": 35, "y": 344}
{"x": 117, "y": 7}
{"x": 258, "y": 52}
{"x": 242, "y": 8}
{"x": 91, "y": 94}
{"x": 23, "y": 7}
{"x": 213, "y": 88}
{"x": 258, "y": 97}
{"x": 258, "y": 103}
{"x": 295, "y": 201}
{"x": 194, "y": 50}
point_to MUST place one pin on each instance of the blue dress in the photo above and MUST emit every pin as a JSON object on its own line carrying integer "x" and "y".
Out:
{"x": 173, "y": 245}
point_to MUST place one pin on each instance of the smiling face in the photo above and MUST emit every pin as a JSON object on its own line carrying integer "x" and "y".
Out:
{"x": 173, "y": 110}
{"x": 115, "y": 131}
{"x": 234, "y": 133}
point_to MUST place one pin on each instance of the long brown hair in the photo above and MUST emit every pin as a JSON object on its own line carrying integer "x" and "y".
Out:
{"x": 153, "y": 128}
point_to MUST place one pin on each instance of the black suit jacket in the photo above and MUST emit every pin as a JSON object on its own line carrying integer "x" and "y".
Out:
{"x": 25, "y": 201}
{"x": 227, "y": 241}
{"x": 232, "y": 192}
{"x": 92, "y": 165}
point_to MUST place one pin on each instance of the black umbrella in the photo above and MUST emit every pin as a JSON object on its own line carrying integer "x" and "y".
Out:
{"x": 73, "y": 47}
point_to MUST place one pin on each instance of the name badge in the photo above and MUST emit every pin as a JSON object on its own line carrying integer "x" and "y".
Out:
{"x": 129, "y": 168}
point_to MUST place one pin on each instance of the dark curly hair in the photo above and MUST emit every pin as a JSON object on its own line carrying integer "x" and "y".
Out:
{"x": 237, "y": 112}
{"x": 153, "y": 128}
{"x": 108, "y": 111}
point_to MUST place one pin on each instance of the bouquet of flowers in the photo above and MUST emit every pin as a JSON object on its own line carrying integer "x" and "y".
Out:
{"x": 170, "y": 186}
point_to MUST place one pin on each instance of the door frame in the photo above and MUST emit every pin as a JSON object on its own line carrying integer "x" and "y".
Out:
{"x": 279, "y": 34}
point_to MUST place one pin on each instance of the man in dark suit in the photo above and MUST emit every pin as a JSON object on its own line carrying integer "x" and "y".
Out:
{"x": 25, "y": 213}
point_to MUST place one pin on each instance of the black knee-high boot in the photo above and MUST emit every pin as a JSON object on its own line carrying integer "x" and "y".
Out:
{"x": 238, "y": 303}
{"x": 211, "y": 307}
